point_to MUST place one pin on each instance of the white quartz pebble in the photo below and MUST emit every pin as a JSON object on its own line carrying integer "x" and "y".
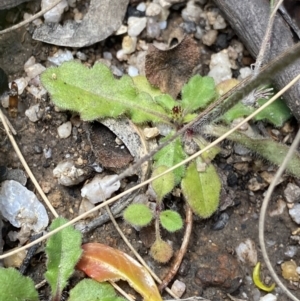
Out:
{"x": 64, "y": 130}
{"x": 133, "y": 71}
{"x": 136, "y": 25}
{"x": 21, "y": 207}
{"x": 100, "y": 188}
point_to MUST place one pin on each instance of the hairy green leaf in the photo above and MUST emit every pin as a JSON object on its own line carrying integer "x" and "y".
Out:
{"x": 198, "y": 93}
{"x": 16, "y": 287}
{"x": 95, "y": 93}
{"x": 201, "y": 189}
{"x": 138, "y": 215}
{"x": 276, "y": 113}
{"x": 237, "y": 111}
{"x": 171, "y": 155}
{"x": 91, "y": 290}
{"x": 171, "y": 220}
{"x": 267, "y": 148}
{"x": 63, "y": 251}
{"x": 166, "y": 101}
{"x": 142, "y": 84}
{"x": 164, "y": 184}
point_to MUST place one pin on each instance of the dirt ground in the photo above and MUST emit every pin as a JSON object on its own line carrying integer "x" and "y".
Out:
{"x": 210, "y": 268}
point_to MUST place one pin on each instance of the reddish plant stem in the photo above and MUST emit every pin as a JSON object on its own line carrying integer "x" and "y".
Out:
{"x": 176, "y": 264}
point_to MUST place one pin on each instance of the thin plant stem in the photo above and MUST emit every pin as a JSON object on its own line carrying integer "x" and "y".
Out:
{"x": 25, "y": 165}
{"x": 37, "y": 15}
{"x": 121, "y": 291}
{"x": 113, "y": 199}
{"x": 136, "y": 254}
{"x": 186, "y": 238}
{"x": 262, "y": 216}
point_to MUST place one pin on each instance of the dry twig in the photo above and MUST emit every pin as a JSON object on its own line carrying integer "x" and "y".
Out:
{"x": 25, "y": 165}
{"x": 263, "y": 210}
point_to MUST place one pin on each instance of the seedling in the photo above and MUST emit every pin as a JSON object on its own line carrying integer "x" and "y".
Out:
{"x": 96, "y": 94}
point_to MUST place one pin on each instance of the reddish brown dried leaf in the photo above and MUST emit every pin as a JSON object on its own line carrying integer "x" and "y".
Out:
{"x": 170, "y": 69}
{"x": 103, "y": 263}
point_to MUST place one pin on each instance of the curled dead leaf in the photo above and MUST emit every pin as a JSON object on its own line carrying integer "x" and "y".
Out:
{"x": 104, "y": 263}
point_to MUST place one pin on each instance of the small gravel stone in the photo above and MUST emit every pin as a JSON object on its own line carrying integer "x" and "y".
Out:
{"x": 136, "y": 25}
{"x": 291, "y": 251}
{"x": 33, "y": 113}
{"x": 188, "y": 27}
{"x": 133, "y": 71}
{"x": 292, "y": 193}
{"x": 153, "y": 10}
{"x": 81, "y": 56}
{"x": 30, "y": 62}
{"x": 64, "y": 130}
{"x": 153, "y": 28}
{"x": 54, "y": 15}
{"x": 222, "y": 42}
{"x": 37, "y": 92}
{"x": 116, "y": 71}
{"x": 295, "y": 213}
{"x": 141, "y": 7}
{"x": 67, "y": 174}
{"x": 100, "y": 188}
{"x": 163, "y": 25}
{"x": 121, "y": 56}
{"x": 123, "y": 29}
{"x": 199, "y": 33}
{"x": 210, "y": 37}
{"x": 245, "y": 72}
{"x": 47, "y": 152}
{"x": 21, "y": 207}
{"x": 246, "y": 252}
{"x": 151, "y": 132}
{"x": 168, "y": 3}
{"x": 22, "y": 84}
{"x": 61, "y": 56}
{"x": 107, "y": 55}
{"x": 138, "y": 60}
{"x": 219, "y": 23}
{"x": 268, "y": 297}
{"x": 129, "y": 44}
{"x": 220, "y": 67}
{"x": 192, "y": 12}
{"x": 34, "y": 70}
{"x": 241, "y": 150}
{"x": 178, "y": 288}
{"x": 38, "y": 149}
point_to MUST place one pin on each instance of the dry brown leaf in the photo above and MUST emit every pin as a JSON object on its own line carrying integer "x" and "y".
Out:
{"x": 170, "y": 69}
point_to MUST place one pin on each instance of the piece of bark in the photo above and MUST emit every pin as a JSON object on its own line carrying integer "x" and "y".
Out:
{"x": 249, "y": 20}
{"x": 102, "y": 19}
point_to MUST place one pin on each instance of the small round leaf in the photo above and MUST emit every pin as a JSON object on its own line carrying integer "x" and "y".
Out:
{"x": 170, "y": 220}
{"x": 138, "y": 215}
